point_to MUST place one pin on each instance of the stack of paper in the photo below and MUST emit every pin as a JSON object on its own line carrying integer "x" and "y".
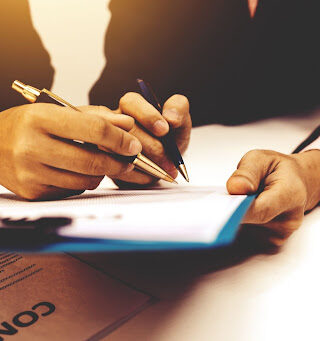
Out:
{"x": 184, "y": 216}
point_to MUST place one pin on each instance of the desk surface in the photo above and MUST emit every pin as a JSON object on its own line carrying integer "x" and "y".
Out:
{"x": 231, "y": 295}
{"x": 235, "y": 294}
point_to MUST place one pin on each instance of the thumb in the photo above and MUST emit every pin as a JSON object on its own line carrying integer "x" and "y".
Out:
{"x": 250, "y": 173}
{"x": 176, "y": 112}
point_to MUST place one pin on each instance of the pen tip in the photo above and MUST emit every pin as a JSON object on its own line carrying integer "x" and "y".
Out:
{"x": 183, "y": 171}
{"x": 170, "y": 179}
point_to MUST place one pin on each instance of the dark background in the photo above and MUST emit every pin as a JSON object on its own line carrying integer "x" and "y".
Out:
{"x": 234, "y": 69}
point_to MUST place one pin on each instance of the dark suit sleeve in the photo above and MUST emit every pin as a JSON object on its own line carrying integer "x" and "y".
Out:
{"x": 22, "y": 54}
{"x": 233, "y": 69}
{"x": 178, "y": 46}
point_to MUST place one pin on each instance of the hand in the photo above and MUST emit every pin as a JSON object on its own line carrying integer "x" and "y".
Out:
{"x": 150, "y": 126}
{"x": 289, "y": 184}
{"x": 41, "y": 160}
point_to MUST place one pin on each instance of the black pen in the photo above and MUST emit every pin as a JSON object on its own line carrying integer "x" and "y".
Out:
{"x": 141, "y": 162}
{"x": 311, "y": 138}
{"x": 168, "y": 140}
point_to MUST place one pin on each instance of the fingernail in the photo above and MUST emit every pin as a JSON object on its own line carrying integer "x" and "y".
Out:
{"x": 160, "y": 127}
{"x": 239, "y": 184}
{"x": 135, "y": 147}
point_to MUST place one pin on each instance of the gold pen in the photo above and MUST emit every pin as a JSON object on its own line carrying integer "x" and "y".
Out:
{"x": 141, "y": 162}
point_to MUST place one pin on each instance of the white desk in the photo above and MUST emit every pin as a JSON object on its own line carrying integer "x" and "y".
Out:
{"x": 227, "y": 296}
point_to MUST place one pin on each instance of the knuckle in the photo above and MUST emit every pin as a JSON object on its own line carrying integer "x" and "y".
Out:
{"x": 24, "y": 177}
{"x": 253, "y": 154}
{"x": 99, "y": 129}
{"x": 23, "y": 150}
{"x": 29, "y": 114}
{"x": 94, "y": 166}
{"x": 265, "y": 215}
{"x": 294, "y": 195}
{"x": 103, "y": 110}
{"x": 119, "y": 171}
{"x": 156, "y": 149}
{"x": 122, "y": 143}
{"x": 131, "y": 121}
{"x": 36, "y": 112}
{"x": 127, "y": 99}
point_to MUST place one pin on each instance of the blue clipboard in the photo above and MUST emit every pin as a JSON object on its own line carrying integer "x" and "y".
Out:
{"x": 63, "y": 244}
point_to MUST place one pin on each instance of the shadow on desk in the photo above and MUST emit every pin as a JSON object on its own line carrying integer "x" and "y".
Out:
{"x": 168, "y": 274}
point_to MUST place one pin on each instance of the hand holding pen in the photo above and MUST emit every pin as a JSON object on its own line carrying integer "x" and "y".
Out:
{"x": 151, "y": 125}
{"x": 40, "y": 155}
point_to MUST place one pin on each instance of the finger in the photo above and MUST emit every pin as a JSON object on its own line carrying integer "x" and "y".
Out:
{"x": 78, "y": 158}
{"x": 121, "y": 121}
{"x": 65, "y": 179}
{"x": 252, "y": 170}
{"x": 134, "y": 178}
{"x": 177, "y": 112}
{"x": 258, "y": 236}
{"x": 143, "y": 112}
{"x": 272, "y": 202}
{"x": 154, "y": 150}
{"x": 286, "y": 223}
{"x": 76, "y": 125}
{"x": 277, "y": 241}
{"x": 55, "y": 193}
{"x": 44, "y": 192}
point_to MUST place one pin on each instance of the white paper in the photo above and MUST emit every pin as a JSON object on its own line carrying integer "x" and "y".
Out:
{"x": 190, "y": 214}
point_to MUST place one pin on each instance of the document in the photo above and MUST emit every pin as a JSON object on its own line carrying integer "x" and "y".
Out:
{"x": 58, "y": 297}
{"x": 171, "y": 214}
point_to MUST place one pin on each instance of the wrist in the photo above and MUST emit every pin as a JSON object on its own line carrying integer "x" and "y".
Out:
{"x": 309, "y": 163}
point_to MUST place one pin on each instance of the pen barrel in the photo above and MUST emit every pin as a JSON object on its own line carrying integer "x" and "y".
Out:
{"x": 45, "y": 98}
{"x": 172, "y": 149}
{"x": 314, "y": 135}
{"x": 123, "y": 158}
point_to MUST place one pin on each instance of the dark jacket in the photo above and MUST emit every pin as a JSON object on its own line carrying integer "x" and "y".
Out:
{"x": 22, "y": 55}
{"x": 232, "y": 68}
